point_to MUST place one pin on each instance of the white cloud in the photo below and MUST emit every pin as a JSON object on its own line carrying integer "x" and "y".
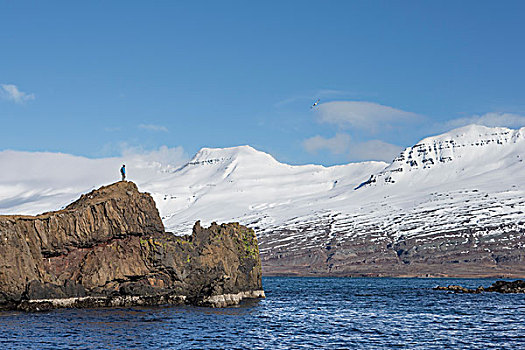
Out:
{"x": 166, "y": 158}
{"x": 10, "y": 92}
{"x": 363, "y": 115}
{"x": 342, "y": 144}
{"x": 153, "y": 127}
{"x": 374, "y": 150}
{"x": 489, "y": 119}
{"x": 338, "y": 144}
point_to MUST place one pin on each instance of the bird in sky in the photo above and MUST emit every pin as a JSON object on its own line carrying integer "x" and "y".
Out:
{"x": 315, "y": 104}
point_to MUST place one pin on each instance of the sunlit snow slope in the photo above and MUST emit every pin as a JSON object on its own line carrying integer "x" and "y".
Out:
{"x": 244, "y": 184}
{"x": 452, "y": 204}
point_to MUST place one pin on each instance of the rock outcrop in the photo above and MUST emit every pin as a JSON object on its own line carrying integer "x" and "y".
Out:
{"x": 109, "y": 248}
{"x": 517, "y": 286}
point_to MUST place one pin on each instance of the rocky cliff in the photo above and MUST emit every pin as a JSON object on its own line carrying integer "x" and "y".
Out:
{"x": 109, "y": 248}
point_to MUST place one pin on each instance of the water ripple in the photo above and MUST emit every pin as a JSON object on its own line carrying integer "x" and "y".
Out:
{"x": 299, "y": 313}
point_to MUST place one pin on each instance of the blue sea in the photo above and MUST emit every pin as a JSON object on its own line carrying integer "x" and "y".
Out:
{"x": 298, "y": 313}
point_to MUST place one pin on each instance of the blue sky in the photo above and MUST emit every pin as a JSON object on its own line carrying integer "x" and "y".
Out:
{"x": 101, "y": 78}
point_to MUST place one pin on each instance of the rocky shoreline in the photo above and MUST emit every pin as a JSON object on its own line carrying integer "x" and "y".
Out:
{"x": 517, "y": 286}
{"x": 215, "y": 301}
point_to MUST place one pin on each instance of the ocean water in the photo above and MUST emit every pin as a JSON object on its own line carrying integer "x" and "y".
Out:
{"x": 298, "y": 313}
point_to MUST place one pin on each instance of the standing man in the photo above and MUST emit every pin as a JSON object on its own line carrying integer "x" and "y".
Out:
{"x": 123, "y": 172}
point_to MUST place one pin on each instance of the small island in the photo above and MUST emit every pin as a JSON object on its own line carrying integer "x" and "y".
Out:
{"x": 109, "y": 248}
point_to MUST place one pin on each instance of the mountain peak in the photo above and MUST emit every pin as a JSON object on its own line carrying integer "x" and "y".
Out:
{"x": 472, "y": 132}
{"x": 473, "y": 144}
{"x": 218, "y": 155}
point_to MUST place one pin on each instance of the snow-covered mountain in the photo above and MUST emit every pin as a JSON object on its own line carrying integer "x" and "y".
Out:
{"x": 250, "y": 186}
{"x": 451, "y": 204}
{"x": 467, "y": 152}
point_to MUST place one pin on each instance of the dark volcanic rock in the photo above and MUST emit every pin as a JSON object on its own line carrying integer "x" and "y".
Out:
{"x": 109, "y": 248}
{"x": 498, "y": 287}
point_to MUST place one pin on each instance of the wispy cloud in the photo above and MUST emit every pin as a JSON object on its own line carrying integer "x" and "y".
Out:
{"x": 10, "y": 92}
{"x": 363, "y": 115}
{"x": 338, "y": 144}
{"x": 510, "y": 120}
{"x": 153, "y": 127}
{"x": 292, "y": 99}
